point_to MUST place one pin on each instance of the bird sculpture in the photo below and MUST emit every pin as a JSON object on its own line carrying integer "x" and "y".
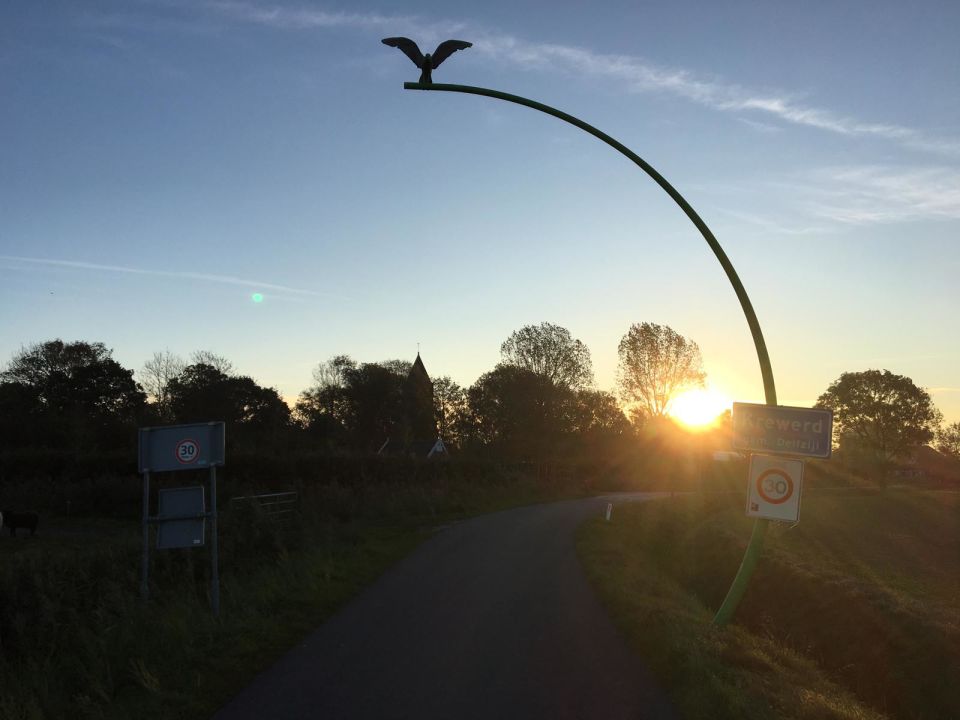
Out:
{"x": 427, "y": 62}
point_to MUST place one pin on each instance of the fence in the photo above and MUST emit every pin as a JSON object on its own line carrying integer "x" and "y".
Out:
{"x": 280, "y": 506}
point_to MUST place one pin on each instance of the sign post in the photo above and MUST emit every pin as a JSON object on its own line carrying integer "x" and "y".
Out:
{"x": 181, "y": 515}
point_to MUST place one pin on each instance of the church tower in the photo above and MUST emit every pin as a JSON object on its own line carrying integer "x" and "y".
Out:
{"x": 418, "y": 411}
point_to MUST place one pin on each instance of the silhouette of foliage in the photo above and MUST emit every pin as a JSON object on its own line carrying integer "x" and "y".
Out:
{"x": 208, "y": 357}
{"x": 373, "y": 395}
{"x": 656, "y": 365}
{"x": 71, "y": 395}
{"x": 884, "y": 414}
{"x": 202, "y": 393}
{"x": 353, "y": 405}
{"x": 450, "y": 409}
{"x": 948, "y": 440}
{"x": 156, "y": 375}
{"x": 551, "y": 352}
{"x": 514, "y": 413}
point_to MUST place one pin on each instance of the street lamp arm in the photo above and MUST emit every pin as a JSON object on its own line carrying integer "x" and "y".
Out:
{"x": 766, "y": 370}
{"x": 752, "y": 554}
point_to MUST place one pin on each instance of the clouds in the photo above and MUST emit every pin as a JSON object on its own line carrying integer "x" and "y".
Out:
{"x": 878, "y": 194}
{"x": 636, "y": 74}
{"x": 826, "y": 200}
{"x": 181, "y": 275}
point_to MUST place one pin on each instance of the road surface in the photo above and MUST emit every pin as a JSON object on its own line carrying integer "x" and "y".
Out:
{"x": 490, "y": 618}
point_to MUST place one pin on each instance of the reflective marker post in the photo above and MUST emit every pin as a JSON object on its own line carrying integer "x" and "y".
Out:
{"x": 752, "y": 554}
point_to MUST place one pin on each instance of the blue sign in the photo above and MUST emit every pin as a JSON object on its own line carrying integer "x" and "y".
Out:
{"x": 181, "y": 447}
{"x": 780, "y": 430}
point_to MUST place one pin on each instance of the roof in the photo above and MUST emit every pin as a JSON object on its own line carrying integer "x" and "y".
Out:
{"x": 418, "y": 368}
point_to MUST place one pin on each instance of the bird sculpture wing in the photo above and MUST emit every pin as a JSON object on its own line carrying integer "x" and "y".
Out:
{"x": 409, "y": 48}
{"x": 448, "y": 48}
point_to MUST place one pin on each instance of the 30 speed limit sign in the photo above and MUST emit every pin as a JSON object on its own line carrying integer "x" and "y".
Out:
{"x": 187, "y": 451}
{"x": 774, "y": 489}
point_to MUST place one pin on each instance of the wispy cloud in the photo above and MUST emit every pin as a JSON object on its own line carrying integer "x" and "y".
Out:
{"x": 176, "y": 274}
{"x": 301, "y": 18}
{"x": 635, "y": 73}
{"x": 761, "y": 126}
{"x": 873, "y": 194}
{"x": 776, "y": 226}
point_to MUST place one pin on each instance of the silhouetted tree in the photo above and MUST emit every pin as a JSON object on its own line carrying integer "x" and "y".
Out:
{"x": 332, "y": 372}
{"x": 202, "y": 393}
{"x": 948, "y": 440}
{"x": 208, "y": 357}
{"x": 883, "y": 413}
{"x": 598, "y": 411}
{"x": 360, "y": 405}
{"x": 656, "y": 364}
{"x": 372, "y": 396}
{"x": 321, "y": 409}
{"x": 518, "y": 414}
{"x": 75, "y": 394}
{"x": 601, "y": 433}
{"x": 450, "y": 408}
{"x": 156, "y": 375}
{"x": 551, "y": 352}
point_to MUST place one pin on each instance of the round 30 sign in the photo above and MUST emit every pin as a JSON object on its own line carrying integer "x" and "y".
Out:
{"x": 775, "y": 486}
{"x": 187, "y": 451}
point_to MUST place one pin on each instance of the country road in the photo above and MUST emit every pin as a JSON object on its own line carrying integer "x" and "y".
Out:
{"x": 491, "y": 618}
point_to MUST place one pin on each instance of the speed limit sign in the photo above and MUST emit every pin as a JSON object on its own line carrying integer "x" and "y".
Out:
{"x": 187, "y": 451}
{"x": 774, "y": 488}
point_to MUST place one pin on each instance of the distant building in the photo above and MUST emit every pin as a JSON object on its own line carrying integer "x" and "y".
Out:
{"x": 415, "y": 434}
{"x": 916, "y": 463}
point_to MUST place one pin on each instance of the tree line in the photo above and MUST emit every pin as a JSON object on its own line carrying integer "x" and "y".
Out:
{"x": 539, "y": 403}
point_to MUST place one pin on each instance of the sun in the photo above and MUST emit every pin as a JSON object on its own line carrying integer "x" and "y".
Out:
{"x": 699, "y": 407}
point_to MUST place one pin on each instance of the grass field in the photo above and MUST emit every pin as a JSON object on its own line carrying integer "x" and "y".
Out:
{"x": 77, "y": 642}
{"x": 852, "y": 613}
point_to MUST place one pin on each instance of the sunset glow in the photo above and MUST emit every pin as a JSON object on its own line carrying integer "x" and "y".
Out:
{"x": 699, "y": 407}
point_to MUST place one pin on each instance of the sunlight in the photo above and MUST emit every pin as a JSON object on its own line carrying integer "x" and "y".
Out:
{"x": 699, "y": 407}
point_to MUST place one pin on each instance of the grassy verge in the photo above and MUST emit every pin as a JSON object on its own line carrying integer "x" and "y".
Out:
{"x": 852, "y": 614}
{"x": 76, "y": 641}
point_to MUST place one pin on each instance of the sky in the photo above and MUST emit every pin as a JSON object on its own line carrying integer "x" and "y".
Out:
{"x": 162, "y": 161}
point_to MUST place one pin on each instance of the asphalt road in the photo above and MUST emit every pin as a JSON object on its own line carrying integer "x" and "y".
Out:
{"x": 490, "y": 618}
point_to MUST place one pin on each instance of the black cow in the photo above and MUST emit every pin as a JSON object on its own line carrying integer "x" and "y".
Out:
{"x": 15, "y": 521}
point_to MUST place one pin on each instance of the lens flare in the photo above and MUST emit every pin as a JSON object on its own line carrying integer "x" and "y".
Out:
{"x": 257, "y": 298}
{"x": 699, "y": 407}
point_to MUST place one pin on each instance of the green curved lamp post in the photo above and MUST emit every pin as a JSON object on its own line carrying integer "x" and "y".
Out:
{"x": 752, "y": 554}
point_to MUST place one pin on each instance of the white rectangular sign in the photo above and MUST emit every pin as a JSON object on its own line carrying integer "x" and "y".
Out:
{"x": 775, "y": 487}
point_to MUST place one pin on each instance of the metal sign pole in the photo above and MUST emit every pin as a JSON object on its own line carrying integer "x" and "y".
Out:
{"x": 145, "y": 560}
{"x": 214, "y": 554}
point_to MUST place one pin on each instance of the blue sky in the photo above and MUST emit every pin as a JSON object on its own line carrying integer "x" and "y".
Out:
{"x": 162, "y": 161}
